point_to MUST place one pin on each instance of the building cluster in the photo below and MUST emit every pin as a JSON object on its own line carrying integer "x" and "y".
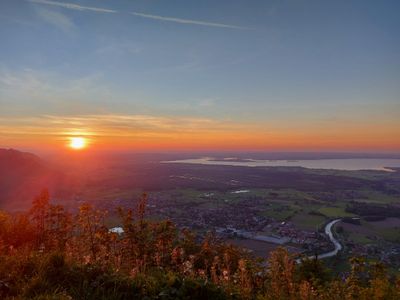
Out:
{"x": 387, "y": 253}
{"x": 243, "y": 218}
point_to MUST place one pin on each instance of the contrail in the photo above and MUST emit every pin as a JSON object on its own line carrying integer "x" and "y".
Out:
{"x": 73, "y": 6}
{"x": 186, "y": 21}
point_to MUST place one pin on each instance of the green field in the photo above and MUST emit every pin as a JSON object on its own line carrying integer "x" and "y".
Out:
{"x": 334, "y": 211}
{"x": 308, "y": 222}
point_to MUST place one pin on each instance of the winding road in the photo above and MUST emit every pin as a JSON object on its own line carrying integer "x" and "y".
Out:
{"x": 338, "y": 246}
{"x": 329, "y": 233}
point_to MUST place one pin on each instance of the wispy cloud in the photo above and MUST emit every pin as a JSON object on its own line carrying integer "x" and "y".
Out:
{"x": 50, "y": 90}
{"x": 187, "y": 21}
{"x": 112, "y": 125}
{"x": 57, "y": 19}
{"x": 17, "y": 20}
{"x": 119, "y": 48}
{"x": 73, "y": 6}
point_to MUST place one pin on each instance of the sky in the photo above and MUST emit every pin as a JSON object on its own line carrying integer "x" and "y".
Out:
{"x": 201, "y": 75}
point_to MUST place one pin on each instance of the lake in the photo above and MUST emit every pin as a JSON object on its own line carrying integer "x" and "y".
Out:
{"x": 349, "y": 164}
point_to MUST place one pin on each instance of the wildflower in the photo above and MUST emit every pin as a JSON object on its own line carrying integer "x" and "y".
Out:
{"x": 86, "y": 259}
{"x": 187, "y": 268}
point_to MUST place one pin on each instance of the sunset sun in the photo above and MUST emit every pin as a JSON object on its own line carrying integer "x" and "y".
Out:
{"x": 77, "y": 143}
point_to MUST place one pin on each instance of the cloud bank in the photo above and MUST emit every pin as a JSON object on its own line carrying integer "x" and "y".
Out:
{"x": 116, "y": 125}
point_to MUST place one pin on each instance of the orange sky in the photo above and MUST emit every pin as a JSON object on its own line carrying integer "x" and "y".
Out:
{"x": 200, "y": 75}
{"x": 150, "y": 133}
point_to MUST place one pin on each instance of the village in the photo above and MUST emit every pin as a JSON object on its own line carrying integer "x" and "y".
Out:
{"x": 237, "y": 220}
{"x": 243, "y": 223}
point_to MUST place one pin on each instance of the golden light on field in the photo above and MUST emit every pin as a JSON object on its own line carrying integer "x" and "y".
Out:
{"x": 78, "y": 143}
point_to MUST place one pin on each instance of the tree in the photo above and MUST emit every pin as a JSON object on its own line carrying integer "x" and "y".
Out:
{"x": 312, "y": 270}
{"x": 39, "y": 213}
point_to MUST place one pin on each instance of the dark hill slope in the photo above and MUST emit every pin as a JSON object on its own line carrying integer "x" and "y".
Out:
{"x": 22, "y": 176}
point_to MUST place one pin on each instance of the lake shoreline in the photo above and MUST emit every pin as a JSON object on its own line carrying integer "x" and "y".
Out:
{"x": 344, "y": 164}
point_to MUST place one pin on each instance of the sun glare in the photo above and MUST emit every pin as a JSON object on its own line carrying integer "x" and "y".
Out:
{"x": 78, "y": 143}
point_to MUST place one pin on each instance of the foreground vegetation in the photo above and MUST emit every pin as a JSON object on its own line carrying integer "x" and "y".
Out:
{"x": 48, "y": 253}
